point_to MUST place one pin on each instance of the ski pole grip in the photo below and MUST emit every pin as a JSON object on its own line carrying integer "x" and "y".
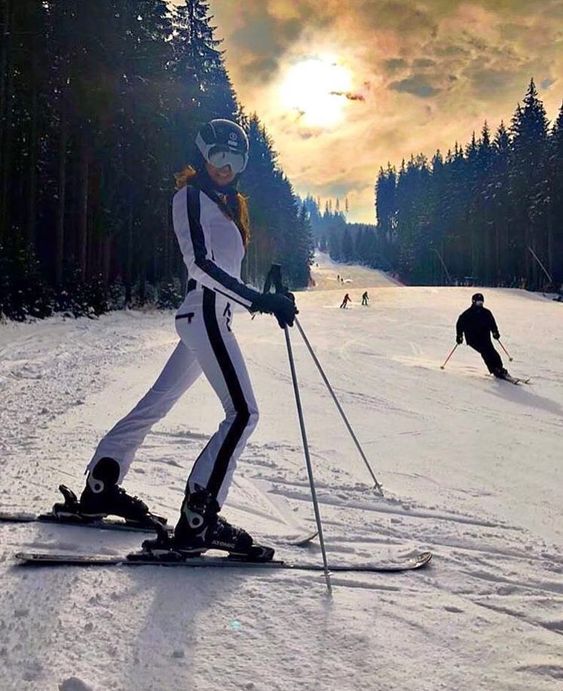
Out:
{"x": 274, "y": 278}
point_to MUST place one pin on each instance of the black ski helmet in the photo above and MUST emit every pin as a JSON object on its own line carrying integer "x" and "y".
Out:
{"x": 478, "y": 297}
{"x": 223, "y": 142}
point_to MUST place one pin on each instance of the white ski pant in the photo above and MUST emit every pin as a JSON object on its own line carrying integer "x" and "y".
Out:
{"x": 207, "y": 345}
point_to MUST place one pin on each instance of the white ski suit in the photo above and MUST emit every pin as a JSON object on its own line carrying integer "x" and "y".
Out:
{"x": 213, "y": 251}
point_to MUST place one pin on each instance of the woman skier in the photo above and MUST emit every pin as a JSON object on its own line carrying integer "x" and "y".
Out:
{"x": 211, "y": 224}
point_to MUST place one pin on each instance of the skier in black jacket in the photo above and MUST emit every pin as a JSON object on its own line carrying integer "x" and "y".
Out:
{"x": 478, "y": 323}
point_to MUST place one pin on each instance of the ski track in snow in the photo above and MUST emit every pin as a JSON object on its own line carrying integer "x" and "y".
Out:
{"x": 470, "y": 468}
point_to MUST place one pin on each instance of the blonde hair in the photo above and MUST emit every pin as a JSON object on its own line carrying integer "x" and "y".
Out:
{"x": 185, "y": 176}
{"x": 189, "y": 174}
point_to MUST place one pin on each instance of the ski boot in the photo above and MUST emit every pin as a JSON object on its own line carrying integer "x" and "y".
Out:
{"x": 102, "y": 497}
{"x": 201, "y": 528}
{"x": 501, "y": 373}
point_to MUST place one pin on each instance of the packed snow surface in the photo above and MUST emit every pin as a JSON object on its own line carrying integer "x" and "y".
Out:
{"x": 471, "y": 469}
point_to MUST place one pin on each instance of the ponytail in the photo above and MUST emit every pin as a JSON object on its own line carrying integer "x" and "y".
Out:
{"x": 185, "y": 176}
{"x": 243, "y": 220}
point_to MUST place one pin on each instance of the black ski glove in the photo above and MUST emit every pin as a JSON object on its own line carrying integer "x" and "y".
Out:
{"x": 291, "y": 296}
{"x": 496, "y": 335}
{"x": 282, "y": 306}
{"x": 459, "y": 339}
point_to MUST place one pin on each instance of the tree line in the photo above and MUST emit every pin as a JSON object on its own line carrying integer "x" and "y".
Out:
{"x": 489, "y": 213}
{"x": 99, "y": 106}
{"x": 351, "y": 243}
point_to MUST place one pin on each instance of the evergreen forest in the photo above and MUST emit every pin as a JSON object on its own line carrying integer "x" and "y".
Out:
{"x": 99, "y": 106}
{"x": 487, "y": 213}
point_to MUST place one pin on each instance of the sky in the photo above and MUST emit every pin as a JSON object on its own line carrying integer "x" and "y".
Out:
{"x": 345, "y": 87}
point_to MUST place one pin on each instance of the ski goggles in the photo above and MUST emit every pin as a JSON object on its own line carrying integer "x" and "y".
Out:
{"x": 479, "y": 303}
{"x": 220, "y": 156}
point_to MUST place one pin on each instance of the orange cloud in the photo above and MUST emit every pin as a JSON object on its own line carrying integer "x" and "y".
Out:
{"x": 426, "y": 75}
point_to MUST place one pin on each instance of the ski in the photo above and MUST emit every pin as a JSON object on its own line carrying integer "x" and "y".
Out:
{"x": 515, "y": 380}
{"x": 101, "y": 524}
{"x": 301, "y": 540}
{"x": 397, "y": 564}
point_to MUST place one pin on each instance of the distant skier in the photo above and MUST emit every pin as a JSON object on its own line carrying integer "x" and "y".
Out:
{"x": 345, "y": 302}
{"x": 478, "y": 323}
{"x": 365, "y": 299}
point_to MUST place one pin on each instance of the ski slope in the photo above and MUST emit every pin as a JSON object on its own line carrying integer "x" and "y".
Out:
{"x": 330, "y": 275}
{"x": 471, "y": 468}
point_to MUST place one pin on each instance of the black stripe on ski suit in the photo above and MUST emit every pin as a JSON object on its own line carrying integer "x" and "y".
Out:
{"x": 235, "y": 391}
{"x": 200, "y": 253}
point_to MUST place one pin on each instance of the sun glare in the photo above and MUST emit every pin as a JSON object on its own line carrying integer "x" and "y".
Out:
{"x": 317, "y": 89}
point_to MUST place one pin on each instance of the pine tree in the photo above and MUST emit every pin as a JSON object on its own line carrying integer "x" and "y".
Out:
{"x": 555, "y": 217}
{"x": 498, "y": 198}
{"x": 483, "y": 209}
{"x": 99, "y": 106}
{"x": 204, "y": 88}
{"x": 529, "y": 132}
{"x": 385, "y": 201}
{"x": 482, "y": 206}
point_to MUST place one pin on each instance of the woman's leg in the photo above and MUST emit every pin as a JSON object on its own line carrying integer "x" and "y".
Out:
{"x": 210, "y": 337}
{"x": 123, "y": 440}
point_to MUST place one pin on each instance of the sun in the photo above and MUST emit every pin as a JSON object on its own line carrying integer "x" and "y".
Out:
{"x": 316, "y": 88}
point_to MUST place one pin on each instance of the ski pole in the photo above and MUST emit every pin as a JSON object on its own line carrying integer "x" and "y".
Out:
{"x": 274, "y": 278}
{"x": 339, "y": 407}
{"x": 535, "y": 256}
{"x": 307, "y": 458}
{"x": 505, "y": 350}
{"x": 449, "y": 356}
{"x": 444, "y": 266}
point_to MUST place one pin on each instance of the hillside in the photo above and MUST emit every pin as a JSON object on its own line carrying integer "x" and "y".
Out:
{"x": 471, "y": 469}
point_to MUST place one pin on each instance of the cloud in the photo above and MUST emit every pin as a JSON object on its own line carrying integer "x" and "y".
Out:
{"x": 260, "y": 68}
{"x": 416, "y": 85}
{"x": 394, "y": 65}
{"x": 547, "y": 83}
{"x": 424, "y": 76}
{"x": 423, "y": 63}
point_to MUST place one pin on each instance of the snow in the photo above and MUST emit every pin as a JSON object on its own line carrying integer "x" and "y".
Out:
{"x": 471, "y": 469}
